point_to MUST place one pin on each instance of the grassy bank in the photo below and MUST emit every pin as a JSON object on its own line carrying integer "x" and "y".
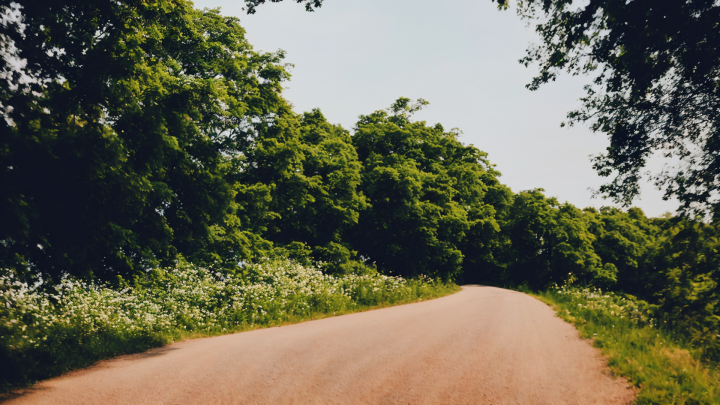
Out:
{"x": 48, "y": 330}
{"x": 659, "y": 361}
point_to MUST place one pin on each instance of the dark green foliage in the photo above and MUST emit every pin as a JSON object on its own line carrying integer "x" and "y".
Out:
{"x": 116, "y": 156}
{"x": 623, "y": 239}
{"x": 670, "y": 262}
{"x": 309, "y": 173}
{"x": 427, "y": 194}
{"x": 656, "y": 65}
{"x": 551, "y": 243}
{"x": 687, "y": 255}
{"x": 71, "y": 348}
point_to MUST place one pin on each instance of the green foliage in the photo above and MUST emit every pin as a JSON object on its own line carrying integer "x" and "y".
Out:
{"x": 311, "y": 174}
{"x": 115, "y": 153}
{"x": 427, "y": 194}
{"x": 687, "y": 286}
{"x": 310, "y": 5}
{"x": 659, "y": 360}
{"x": 655, "y": 90}
{"x": 623, "y": 240}
{"x": 670, "y": 262}
{"x": 46, "y": 330}
{"x": 551, "y": 242}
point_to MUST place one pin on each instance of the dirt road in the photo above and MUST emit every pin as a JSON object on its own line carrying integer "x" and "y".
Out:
{"x": 482, "y": 345}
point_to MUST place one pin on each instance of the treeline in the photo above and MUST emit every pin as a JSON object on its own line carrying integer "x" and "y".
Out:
{"x": 140, "y": 132}
{"x": 158, "y": 132}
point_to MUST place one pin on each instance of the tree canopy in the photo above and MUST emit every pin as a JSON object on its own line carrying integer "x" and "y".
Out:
{"x": 427, "y": 192}
{"x": 656, "y": 88}
{"x": 121, "y": 129}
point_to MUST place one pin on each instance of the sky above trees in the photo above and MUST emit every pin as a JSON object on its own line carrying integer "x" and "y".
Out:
{"x": 351, "y": 57}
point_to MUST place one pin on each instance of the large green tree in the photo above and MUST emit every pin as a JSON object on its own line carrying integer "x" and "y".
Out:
{"x": 427, "y": 193}
{"x": 623, "y": 239}
{"x": 309, "y": 174}
{"x": 683, "y": 266}
{"x": 122, "y": 131}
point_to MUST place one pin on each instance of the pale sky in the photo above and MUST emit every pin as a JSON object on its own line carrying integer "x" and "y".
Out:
{"x": 354, "y": 57}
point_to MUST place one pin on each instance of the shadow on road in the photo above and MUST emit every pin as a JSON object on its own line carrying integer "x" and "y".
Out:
{"x": 37, "y": 388}
{"x": 8, "y": 396}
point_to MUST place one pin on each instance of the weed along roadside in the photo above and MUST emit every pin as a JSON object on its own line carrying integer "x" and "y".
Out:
{"x": 661, "y": 362}
{"x": 46, "y": 332}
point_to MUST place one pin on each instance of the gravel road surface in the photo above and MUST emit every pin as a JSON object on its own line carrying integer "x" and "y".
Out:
{"x": 483, "y": 345}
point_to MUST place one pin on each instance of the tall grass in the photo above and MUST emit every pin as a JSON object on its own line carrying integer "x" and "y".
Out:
{"x": 47, "y": 330}
{"x": 659, "y": 361}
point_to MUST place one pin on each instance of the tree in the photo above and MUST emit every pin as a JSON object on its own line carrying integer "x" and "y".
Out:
{"x": 656, "y": 89}
{"x": 426, "y": 192}
{"x": 551, "y": 243}
{"x": 684, "y": 263}
{"x": 310, "y": 173}
{"x": 622, "y": 238}
{"x": 121, "y": 133}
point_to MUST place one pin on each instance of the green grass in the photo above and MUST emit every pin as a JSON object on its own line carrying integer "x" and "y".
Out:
{"x": 660, "y": 362}
{"x": 48, "y": 330}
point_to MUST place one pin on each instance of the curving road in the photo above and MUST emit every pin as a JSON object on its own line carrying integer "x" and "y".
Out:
{"x": 483, "y": 345}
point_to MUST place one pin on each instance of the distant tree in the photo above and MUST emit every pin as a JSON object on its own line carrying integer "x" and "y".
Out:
{"x": 684, "y": 265}
{"x": 427, "y": 192}
{"x": 656, "y": 87}
{"x": 121, "y": 133}
{"x": 551, "y": 243}
{"x": 622, "y": 238}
